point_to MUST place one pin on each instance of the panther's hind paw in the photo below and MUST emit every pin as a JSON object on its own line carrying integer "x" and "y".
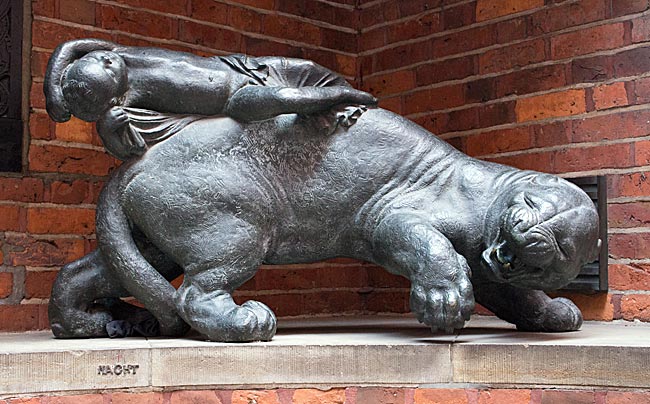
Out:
{"x": 559, "y": 315}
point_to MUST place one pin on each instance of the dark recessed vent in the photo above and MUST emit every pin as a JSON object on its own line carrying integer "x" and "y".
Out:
{"x": 11, "y": 125}
{"x": 593, "y": 277}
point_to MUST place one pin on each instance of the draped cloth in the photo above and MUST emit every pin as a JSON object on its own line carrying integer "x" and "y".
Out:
{"x": 155, "y": 126}
{"x": 273, "y": 71}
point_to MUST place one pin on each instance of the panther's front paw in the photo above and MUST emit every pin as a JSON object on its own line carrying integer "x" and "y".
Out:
{"x": 559, "y": 315}
{"x": 443, "y": 308}
{"x": 255, "y": 322}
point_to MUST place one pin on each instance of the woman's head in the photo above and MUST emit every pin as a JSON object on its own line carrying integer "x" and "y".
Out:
{"x": 94, "y": 83}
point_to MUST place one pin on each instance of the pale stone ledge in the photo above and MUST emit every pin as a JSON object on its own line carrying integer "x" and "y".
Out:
{"x": 334, "y": 352}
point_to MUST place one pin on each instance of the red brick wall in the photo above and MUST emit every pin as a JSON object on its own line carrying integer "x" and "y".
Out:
{"x": 352, "y": 395}
{"x": 555, "y": 86}
{"x": 558, "y": 86}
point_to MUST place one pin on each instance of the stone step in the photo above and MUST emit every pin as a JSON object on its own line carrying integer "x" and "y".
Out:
{"x": 359, "y": 351}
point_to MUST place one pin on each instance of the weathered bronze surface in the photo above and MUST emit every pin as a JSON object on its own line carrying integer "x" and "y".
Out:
{"x": 233, "y": 162}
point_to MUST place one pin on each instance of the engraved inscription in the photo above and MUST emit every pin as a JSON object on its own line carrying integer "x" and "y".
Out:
{"x": 117, "y": 369}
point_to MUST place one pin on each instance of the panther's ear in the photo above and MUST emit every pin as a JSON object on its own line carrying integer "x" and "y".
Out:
{"x": 596, "y": 251}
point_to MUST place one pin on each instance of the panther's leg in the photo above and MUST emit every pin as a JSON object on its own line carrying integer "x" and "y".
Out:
{"x": 441, "y": 292}
{"x": 529, "y": 310}
{"x": 226, "y": 259}
{"x": 85, "y": 298}
{"x": 72, "y": 311}
{"x": 130, "y": 319}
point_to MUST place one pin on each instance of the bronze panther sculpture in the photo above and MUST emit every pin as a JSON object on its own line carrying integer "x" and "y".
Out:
{"x": 219, "y": 198}
{"x": 213, "y": 198}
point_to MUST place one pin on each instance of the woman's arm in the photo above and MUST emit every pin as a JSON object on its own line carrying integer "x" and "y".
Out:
{"x": 63, "y": 56}
{"x": 257, "y": 103}
{"x": 119, "y": 139}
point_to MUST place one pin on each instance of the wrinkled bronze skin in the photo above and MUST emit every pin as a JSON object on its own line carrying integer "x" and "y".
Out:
{"x": 220, "y": 198}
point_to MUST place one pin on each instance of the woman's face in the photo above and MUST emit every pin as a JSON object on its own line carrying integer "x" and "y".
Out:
{"x": 106, "y": 67}
{"x": 101, "y": 78}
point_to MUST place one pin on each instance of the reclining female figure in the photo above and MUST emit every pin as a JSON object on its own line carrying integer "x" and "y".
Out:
{"x": 98, "y": 81}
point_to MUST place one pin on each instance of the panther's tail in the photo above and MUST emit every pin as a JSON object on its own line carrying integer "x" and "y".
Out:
{"x": 144, "y": 282}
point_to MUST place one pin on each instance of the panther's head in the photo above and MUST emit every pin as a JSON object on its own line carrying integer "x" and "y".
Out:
{"x": 539, "y": 232}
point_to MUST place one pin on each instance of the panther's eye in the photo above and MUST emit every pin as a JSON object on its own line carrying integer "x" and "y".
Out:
{"x": 540, "y": 205}
{"x": 566, "y": 248}
{"x": 563, "y": 252}
{"x": 529, "y": 202}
